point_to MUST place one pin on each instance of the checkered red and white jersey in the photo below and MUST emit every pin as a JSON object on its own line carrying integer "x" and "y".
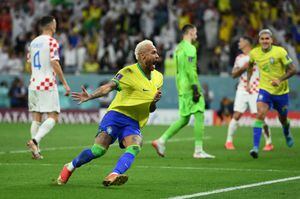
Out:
{"x": 240, "y": 61}
{"x": 42, "y": 50}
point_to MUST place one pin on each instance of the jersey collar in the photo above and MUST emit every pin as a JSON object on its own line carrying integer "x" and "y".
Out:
{"x": 140, "y": 68}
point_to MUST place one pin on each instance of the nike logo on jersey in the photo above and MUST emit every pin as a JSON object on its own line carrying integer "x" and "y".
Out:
{"x": 145, "y": 89}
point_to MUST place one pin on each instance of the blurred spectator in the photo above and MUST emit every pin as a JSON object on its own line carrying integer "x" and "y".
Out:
{"x": 70, "y": 65}
{"x": 91, "y": 65}
{"x": 4, "y": 98}
{"x": 18, "y": 94}
{"x": 14, "y": 65}
{"x": 107, "y": 30}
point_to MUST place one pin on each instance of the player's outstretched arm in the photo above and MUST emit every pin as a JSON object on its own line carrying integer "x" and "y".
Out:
{"x": 103, "y": 90}
{"x": 249, "y": 75}
{"x": 57, "y": 69}
{"x": 236, "y": 71}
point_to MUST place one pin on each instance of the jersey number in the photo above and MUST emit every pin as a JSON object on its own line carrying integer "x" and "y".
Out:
{"x": 36, "y": 60}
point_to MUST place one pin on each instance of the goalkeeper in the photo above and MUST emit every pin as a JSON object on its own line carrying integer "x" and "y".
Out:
{"x": 191, "y": 101}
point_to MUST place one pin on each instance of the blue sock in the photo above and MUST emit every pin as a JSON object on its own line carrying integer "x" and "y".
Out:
{"x": 124, "y": 163}
{"x": 84, "y": 157}
{"x": 256, "y": 137}
{"x": 286, "y": 129}
{"x": 257, "y": 130}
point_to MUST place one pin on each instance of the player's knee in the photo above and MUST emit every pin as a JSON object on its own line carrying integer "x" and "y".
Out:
{"x": 98, "y": 150}
{"x": 133, "y": 149}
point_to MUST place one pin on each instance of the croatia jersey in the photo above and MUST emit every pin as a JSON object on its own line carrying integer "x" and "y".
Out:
{"x": 240, "y": 61}
{"x": 135, "y": 92}
{"x": 42, "y": 50}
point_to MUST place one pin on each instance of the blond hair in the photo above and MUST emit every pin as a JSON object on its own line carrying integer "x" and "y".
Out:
{"x": 140, "y": 46}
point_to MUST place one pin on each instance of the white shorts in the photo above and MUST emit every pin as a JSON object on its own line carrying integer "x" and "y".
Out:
{"x": 43, "y": 101}
{"x": 244, "y": 100}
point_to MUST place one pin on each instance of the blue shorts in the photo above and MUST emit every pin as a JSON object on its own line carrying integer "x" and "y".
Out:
{"x": 278, "y": 102}
{"x": 118, "y": 125}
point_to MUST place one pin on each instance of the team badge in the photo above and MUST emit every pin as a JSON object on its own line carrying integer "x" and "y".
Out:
{"x": 109, "y": 129}
{"x": 118, "y": 76}
{"x": 272, "y": 60}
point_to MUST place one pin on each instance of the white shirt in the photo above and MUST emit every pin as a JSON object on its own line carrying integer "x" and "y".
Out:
{"x": 42, "y": 50}
{"x": 240, "y": 61}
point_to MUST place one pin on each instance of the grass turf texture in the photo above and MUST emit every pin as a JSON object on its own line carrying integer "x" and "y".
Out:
{"x": 150, "y": 176}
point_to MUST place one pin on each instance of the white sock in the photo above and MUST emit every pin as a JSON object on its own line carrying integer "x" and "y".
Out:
{"x": 161, "y": 141}
{"x": 198, "y": 149}
{"x": 268, "y": 139}
{"x": 231, "y": 129}
{"x": 45, "y": 128}
{"x": 70, "y": 166}
{"x": 34, "y": 128}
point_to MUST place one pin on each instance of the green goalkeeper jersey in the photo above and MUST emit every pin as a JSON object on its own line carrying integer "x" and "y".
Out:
{"x": 186, "y": 61}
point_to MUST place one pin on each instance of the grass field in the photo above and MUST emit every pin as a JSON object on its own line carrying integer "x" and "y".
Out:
{"x": 177, "y": 174}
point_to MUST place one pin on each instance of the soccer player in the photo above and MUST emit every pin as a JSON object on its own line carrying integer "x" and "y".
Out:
{"x": 138, "y": 87}
{"x": 275, "y": 68}
{"x": 43, "y": 93}
{"x": 243, "y": 98}
{"x": 191, "y": 101}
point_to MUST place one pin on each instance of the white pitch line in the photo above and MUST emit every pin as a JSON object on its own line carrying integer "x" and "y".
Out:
{"x": 165, "y": 167}
{"x": 80, "y": 147}
{"x": 236, "y": 188}
{"x": 218, "y": 169}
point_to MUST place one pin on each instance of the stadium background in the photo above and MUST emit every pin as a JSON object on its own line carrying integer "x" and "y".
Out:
{"x": 97, "y": 38}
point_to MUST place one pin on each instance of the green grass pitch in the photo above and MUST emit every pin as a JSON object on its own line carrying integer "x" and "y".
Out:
{"x": 150, "y": 176}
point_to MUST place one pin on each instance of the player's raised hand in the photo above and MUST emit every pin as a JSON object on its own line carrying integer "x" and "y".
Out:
{"x": 275, "y": 82}
{"x": 81, "y": 97}
{"x": 157, "y": 96}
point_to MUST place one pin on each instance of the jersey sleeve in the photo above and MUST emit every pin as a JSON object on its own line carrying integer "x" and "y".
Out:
{"x": 54, "y": 47}
{"x": 284, "y": 57}
{"x": 122, "y": 78}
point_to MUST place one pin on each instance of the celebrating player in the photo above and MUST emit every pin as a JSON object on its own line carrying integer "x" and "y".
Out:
{"x": 191, "y": 101}
{"x": 275, "y": 68}
{"x": 43, "y": 94}
{"x": 138, "y": 88}
{"x": 243, "y": 98}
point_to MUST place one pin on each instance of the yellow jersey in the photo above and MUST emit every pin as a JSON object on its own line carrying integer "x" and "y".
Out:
{"x": 271, "y": 65}
{"x": 135, "y": 92}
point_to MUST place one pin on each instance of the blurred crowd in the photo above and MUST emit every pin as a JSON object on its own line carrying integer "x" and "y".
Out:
{"x": 99, "y": 36}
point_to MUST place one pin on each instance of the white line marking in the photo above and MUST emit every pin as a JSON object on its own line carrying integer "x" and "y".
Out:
{"x": 166, "y": 167}
{"x": 80, "y": 147}
{"x": 217, "y": 169}
{"x": 236, "y": 188}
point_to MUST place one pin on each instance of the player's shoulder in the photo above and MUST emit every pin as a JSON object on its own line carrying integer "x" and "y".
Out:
{"x": 255, "y": 50}
{"x": 128, "y": 70}
{"x": 278, "y": 49}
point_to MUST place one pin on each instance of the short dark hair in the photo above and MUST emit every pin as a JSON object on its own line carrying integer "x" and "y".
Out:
{"x": 44, "y": 21}
{"x": 249, "y": 39}
{"x": 186, "y": 28}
